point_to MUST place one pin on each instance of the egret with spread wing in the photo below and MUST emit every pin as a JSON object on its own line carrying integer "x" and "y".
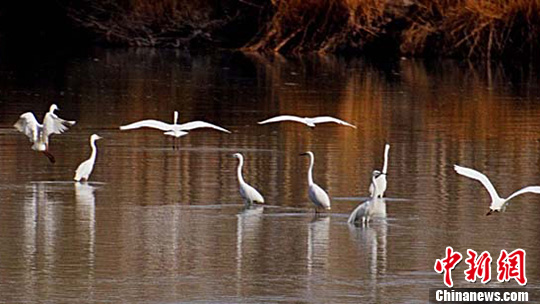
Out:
{"x": 248, "y": 193}
{"x": 316, "y": 194}
{"x": 380, "y": 180}
{"x": 310, "y": 121}
{"x": 498, "y": 203}
{"x": 39, "y": 133}
{"x": 176, "y": 130}
{"x": 85, "y": 168}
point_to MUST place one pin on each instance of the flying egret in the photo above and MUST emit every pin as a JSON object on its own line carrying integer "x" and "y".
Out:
{"x": 39, "y": 133}
{"x": 176, "y": 130}
{"x": 498, "y": 204}
{"x": 380, "y": 180}
{"x": 316, "y": 194}
{"x": 365, "y": 211}
{"x": 248, "y": 193}
{"x": 85, "y": 168}
{"x": 310, "y": 121}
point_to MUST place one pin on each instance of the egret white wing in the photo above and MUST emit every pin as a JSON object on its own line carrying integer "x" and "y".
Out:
{"x": 283, "y": 118}
{"x": 319, "y": 196}
{"x": 531, "y": 189}
{"x": 252, "y": 194}
{"x": 83, "y": 171}
{"x": 28, "y": 125}
{"x": 200, "y": 124}
{"x": 322, "y": 119}
{"x": 148, "y": 123}
{"x": 52, "y": 124}
{"x": 471, "y": 173}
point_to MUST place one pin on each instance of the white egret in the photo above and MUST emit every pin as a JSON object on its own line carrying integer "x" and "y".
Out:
{"x": 380, "y": 180}
{"x": 316, "y": 194}
{"x": 248, "y": 193}
{"x": 39, "y": 133}
{"x": 176, "y": 130}
{"x": 85, "y": 168}
{"x": 310, "y": 121}
{"x": 498, "y": 203}
{"x": 365, "y": 211}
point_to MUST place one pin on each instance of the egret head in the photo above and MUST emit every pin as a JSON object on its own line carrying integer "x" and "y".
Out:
{"x": 237, "y": 155}
{"x": 307, "y": 153}
{"x": 95, "y": 137}
{"x": 376, "y": 173}
{"x": 175, "y": 117}
{"x": 53, "y": 108}
{"x": 309, "y": 122}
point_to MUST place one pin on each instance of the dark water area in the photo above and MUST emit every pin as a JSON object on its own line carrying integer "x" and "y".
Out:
{"x": 160, "y": 225}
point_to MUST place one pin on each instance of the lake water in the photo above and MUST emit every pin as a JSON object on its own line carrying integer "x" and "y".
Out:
{"x": 158, "y": 225}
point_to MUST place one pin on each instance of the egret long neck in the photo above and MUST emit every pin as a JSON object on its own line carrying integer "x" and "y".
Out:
{"x": 310, "y": 171}
{"x": 374, "y": 183}
{"x": 94, "y": 150}
{"x": 239, "y": 170}
{"x": 385, "y": 165}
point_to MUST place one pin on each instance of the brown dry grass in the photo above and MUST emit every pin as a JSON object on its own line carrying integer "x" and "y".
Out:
{"x": 473, "y": 28}
{"x": 319, "y": 25}
{"x": 466, "y": 28}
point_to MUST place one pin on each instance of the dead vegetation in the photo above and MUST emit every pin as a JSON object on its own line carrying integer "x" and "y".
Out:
{"x": 464, "y": 28}
{"x": 473, "y": 28}
{"x": 164, "y": 23}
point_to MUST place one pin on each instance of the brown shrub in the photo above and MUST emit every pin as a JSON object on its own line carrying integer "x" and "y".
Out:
{"x": 320, "y": 25}
{"x": 473, "y": 28}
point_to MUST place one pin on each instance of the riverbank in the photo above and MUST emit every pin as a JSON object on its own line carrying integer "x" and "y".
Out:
{"x": 483, "y": 29}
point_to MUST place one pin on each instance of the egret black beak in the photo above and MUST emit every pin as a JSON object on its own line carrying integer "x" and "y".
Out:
{"x": 303, "y": 154}
{"x": 489, "y": 213}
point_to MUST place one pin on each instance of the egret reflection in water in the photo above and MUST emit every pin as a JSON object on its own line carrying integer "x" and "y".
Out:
{"x": 248, "y": 227}
{"x": 372, "y": 240}
{"x": 86, "y": 215}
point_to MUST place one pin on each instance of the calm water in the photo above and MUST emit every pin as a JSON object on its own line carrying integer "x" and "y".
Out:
{"x": 159, "y": 225}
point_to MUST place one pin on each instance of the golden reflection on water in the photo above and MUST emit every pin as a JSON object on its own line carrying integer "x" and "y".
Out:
{"x": 162, "y": 225}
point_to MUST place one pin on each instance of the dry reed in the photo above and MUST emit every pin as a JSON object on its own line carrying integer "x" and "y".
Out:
{"x": 466, "y": 28}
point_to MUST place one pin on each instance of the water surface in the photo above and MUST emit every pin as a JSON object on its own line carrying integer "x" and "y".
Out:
{"x": 159, "y": 225}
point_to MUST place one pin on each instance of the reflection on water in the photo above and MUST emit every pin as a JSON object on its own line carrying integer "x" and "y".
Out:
{"x": 85, "y": 212}
{"x": 372, "y": 241}
{"x": 165, "y": 225}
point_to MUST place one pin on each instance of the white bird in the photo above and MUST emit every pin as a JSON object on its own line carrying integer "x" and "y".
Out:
{"x": 374, "y": 206}
{"x": 498, "y": 204}
{"x": 176, "y": 130}
{"x": 85, "y": 168}
{"x": 316, "y": 194}
{"x": 39, "y": 133}
{"x": 248, "y": 193}
{"x": 380, "y": 180}
{"x": 310, "y": 121}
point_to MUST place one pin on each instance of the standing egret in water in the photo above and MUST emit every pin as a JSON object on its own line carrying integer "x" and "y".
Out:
{"x": 498, "y": 203}
{"x": 248, "y": 193}
{"x": 365, "y": 211}
{"x": 310, "y": 121}
{"x": 85, "y": 168}
{"x": 316, "y": 194}
{"x": 176, "y": 130}
{"x": 39, "y": 133}
{"x": 380, "y": 180}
